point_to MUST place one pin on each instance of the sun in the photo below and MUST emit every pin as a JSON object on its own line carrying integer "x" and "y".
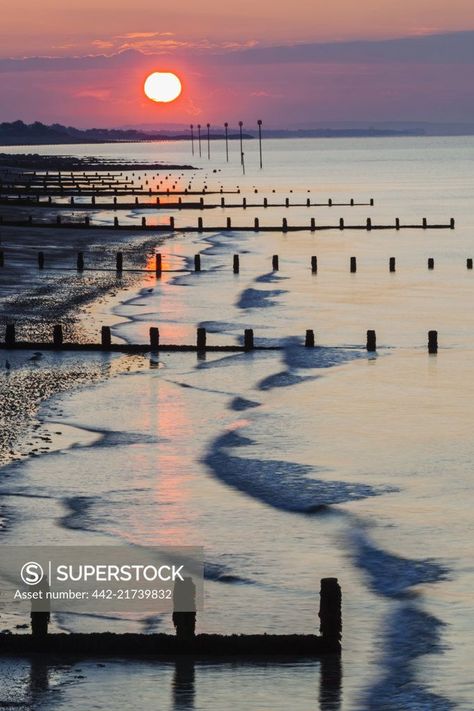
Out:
{"x": 162, "y": 87}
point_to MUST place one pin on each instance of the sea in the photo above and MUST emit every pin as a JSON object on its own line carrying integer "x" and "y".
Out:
{"x": 286, "y": 465}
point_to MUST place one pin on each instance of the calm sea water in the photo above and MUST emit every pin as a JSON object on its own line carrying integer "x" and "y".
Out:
{"x": 235, "y": 452}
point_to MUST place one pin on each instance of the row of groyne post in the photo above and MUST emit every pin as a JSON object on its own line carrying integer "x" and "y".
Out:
{"x": 81, "y": 265}
{"x": 154, "y": 344}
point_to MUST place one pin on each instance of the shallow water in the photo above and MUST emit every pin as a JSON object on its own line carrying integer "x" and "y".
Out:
{"x": 240, "y": 452}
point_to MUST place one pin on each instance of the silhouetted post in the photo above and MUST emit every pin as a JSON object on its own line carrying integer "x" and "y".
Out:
{"x": 308, "y": 202}
{"x": 313, "y": 224}
{"x": 244, "y": 203}
{"x": 330, "y": 612}
{"x": 199, "y": 140}
{"x": 192, "y": 138}
{"x": 432, "y": 342}
{"x": 116, "y": 222}
{"x": 284, "y": 225}
{"x": 309, "y": 338}
{"x": 87, "y": 220}
{"x": 260, "y": 142}
{"x": 275, "y": 263}
{"x": 197, "y": 262}
{"x": 371, "y": 341}
{"x": 201, "y": 203}
{"x": 452, "y": 223}
{"x": 314, "y": 264}
{"x": 222, "y": 202}
{"x": 200, "y": 224}
{"x": 226, "y": 128}
{"x": 341, "y": 223}
{"x": 80, "y": 262}
{"x": 371, "y": 202}
{"x": 397, "y": 223}
{"x": 58, "y": 335}
{"x": 248, "y": 339}
{"x": 208, "y": 141}
{"x": 154, "y": 338}
{"x": 10, "y": 334}
{"x": 241, "y": 143}
{"x": 184, "y": 609}
{"x": 469, "y": 263}
{"x": 236, "y": 265}
{"x": 392, "y": 264}
{"x": 201, "y": 339}
{"x": 158, "y": 263}
{"x": 40, "y": 260}
{"x": 430, "y": 263}
{"x": 265, "y": 202}
{"x": 105, "y": 337}
{"x": 330, "y": 202}
{"x": 143, "y": 221}
{"x": 369, "y": 223}
{"x": 424, "y": 224}
{"x": 256, "y": 224}
{"x": 352, "y": 202}
{"x": 119, "y": 261}
{"x": 228, "y": 223}
{"x": 353, "y": 265}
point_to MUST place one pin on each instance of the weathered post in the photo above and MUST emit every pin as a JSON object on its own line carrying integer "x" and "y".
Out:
{"x": 201, "y": 203}
{"x": 284, "y": 226}
{"x": 424, "y": 223}
{"x": 287, "y": 202}
{"x": 308, "y": 202}
{"x": 236, "y": 265}
{"x": 184, "y": 609}
{"x": 265, "y": 202}
{"x": 341, "y": 223}
{"x": 353, "y": 266}
{"x": 309, "y": 338}
{"x": 228, "y": 224}
{"x": 80, "y": 262}
{"x": 432, "y": 342}
{"x": 275, "y": 263}
{"x": 58, "y": 335}
{"x": 313, "y": 224}
{"x": 256, "y": 224}
{"x": 371, "y": 202}
{"x": 222, "y": 202}
{"x": 158, "y": 263}
{"x": 197, "y": 262}
{"x": 40, "y": 260}
{"x": 330, "y": 613}
{"x": 369, "y": 223}
{"x": 10, "y": 334}
{"x": 143, "y": 221}
{"x": 171, "y": 223}
{"x": 397, "y": 223}
{"x": 392, "y": 264}
{"x": 430, "y": 263}
{"x": 105, "y": 337}
{"x": 154, "y": 338}
{"x": 314, "y": 264}
{"x": 200, "y": 224}
{"x": 87, "y": 220}
{"x": 469, "y": 263}
{"x": 119, "y": 262}
{"x": 371, "y": 341}
{"x": 352, "y": 202}
{"x": 452, "y": 223}
{"x": 248, "y": 339}
{"x": 329, "y": 202}
{"x": 201, "y": 340}
{"x": 116, "y": 222}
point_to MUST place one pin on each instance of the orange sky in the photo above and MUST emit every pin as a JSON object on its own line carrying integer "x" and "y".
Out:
{"x": 65, "y": 27}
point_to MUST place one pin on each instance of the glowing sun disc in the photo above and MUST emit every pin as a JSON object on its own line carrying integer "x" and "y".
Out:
{"x": 162, "y": 87}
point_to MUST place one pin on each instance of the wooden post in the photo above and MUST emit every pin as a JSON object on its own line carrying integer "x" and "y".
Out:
{"x": 369, "y": 223}
{"x": 201, "y": 339}
{"x": 58, "y": 336}
{"x": 353, "y": 265}
{"x": 424, "y": 224}
{"x": 116, "y": 222}
{"x": 309, "y": 338}
{"x": 314, "y": 264}
{"x": 284, "y": 225}
{"x": 105, "y": 337}
{"x": 265, "y": 202}
{"x": 287, "y": 202}
{"x": 40, "y": 260}
{"x": 329, "y": 202}
{"x": 341, "y": 223}
{"x": 392, "y": 264}
{"x": 275, "y": 263}
{"x": 171, "y": 223}
{"x": 119, "y": 261}
{"x": 201, "y": 203}
{"x": 371, "y": 202}
{"x": 80, "y": 261}
{"x": 256, "y": 224}
{"x": 158, "y": 264}
{"x": 451, "y": 223}
{"x": 330, "y": 612}
{"x": 222, "y": 202}
{"x": 352, "y": 202}
{"x": 228, "y": 224}
{"x": 200, "y": 225}
{"x": 143, "y": 221}
{"x": 248, "y": 339}
{"x": 469, "y": 263}
{"x": 197, "y": 262}
{"x": 432, "y": 342}
{"x": 154, "y": 338}
{"x": 87, "y": 220}
{"x": 430, "y": 263}
{"x": 397, "y": 223}
{"x": 308, "y": 202}
{"x": 371, "y": 341}
{"x": 236, "y": 265}
{"x": 10, "y": 334}
{"x": 313, "y": 225}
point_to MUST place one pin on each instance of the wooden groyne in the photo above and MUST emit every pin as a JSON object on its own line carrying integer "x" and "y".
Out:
{"x": 155, "y": 345}
{"x": 143, "y": 226}
{"x": 186, "y": 642}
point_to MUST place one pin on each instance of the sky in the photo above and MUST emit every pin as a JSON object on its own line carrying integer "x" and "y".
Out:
{"x": 83, "y": 62}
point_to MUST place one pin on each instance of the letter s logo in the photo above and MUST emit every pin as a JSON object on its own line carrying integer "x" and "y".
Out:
{"x": 32, "y": 573}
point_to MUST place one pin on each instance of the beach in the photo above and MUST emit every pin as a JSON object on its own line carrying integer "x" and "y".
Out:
{"x": 287, "y": 465}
